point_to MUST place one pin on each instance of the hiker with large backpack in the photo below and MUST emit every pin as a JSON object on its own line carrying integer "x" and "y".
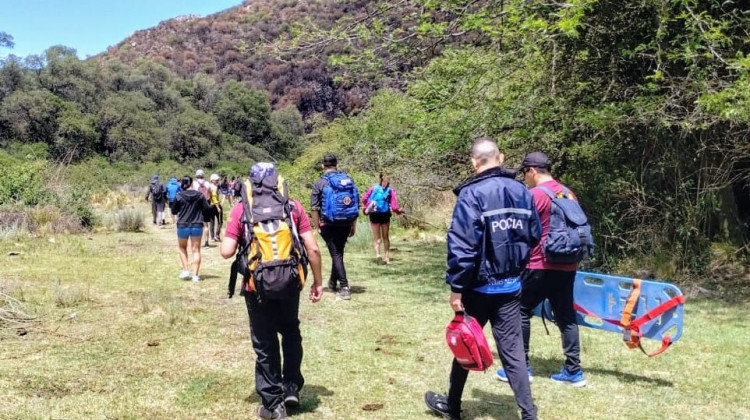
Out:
{"x": 379, "y": 203}
{"x": 551, "y": 271}
{"x": 158, "y": 197}
{"x": 335, "y": 206}
{"x": 173, "y": 188}
{"x": 493, "y": 229}
{"x": 273, "y": 239}
{"x": 189, "y": 205}
{"x": 205, "y": 188}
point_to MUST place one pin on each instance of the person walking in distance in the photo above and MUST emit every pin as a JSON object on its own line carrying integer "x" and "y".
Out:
{"x": 204, "y": 187}
{"x": 543, "y": 279}
{"x": 493, "y": 229}
{"x": 189, "y": 207}
{"x": 334, "y": 202}
{"x": 217, "y": 212}
{"x": 157, "y": 194}
{"x": 380, "y": 202}
{"x": 278, "y": 385}
{"x": 173, "y": 188}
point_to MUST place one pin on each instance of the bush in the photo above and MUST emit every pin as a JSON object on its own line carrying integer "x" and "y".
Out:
{"x": 22, "y": 182}
{"x": 130, "y": 220}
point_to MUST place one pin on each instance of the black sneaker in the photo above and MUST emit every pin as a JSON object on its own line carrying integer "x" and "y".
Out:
{"x": 439, "y": 404}
{"x": 277, "y": 413}
{"x": 332, "y": 285}
{"x": 206, "y": 245}
{"x": 291, "y": 399}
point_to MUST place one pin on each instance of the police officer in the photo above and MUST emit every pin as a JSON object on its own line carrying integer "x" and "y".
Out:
{"x": 494, "y": 227}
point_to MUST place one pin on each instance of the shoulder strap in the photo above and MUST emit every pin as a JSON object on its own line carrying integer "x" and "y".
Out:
{"x": 547, "y": 191}
{"x": 564, "y": 194}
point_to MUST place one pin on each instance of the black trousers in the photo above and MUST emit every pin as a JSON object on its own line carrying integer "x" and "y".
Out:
{"x": 557, "y": 286}
{"x": 503, "y": 313}
{"x": 336, "y": 237}
{"x": 217, "y": 220}
{"x": 268, "y": 319}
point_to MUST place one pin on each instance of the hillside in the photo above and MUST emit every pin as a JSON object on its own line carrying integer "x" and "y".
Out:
{"x": 242, "y": 43}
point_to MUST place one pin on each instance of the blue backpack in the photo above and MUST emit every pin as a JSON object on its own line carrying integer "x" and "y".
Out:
{"x": 340, "y": 198}
{"x": 172, "y": 189}
{"x": 569, "y": 238}
{"x": 381, "y": 197}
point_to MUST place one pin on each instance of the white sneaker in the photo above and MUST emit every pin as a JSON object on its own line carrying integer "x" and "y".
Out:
{"x": 196, "y": 279}
{"x": 184, "y": 274}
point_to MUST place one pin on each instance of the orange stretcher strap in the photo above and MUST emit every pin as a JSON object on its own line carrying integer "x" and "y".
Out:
{"x": 630, "y": 335}
{"x": 632, "y": 327}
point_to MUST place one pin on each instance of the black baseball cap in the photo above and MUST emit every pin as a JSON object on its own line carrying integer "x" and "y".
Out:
{"x": 535, "y": 160}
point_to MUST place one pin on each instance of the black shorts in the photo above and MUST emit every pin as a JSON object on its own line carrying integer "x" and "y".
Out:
{"x": 209, "y": 214}
{"x": 380, "y": 218}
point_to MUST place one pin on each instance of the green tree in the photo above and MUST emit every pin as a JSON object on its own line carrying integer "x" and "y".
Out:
{"x": 244, "y": 113}
{"x": 192, "y": 134}
{"x": 129, "y": 130}
{"x": 69, "y": 78}
{"x": 6, "y": 40}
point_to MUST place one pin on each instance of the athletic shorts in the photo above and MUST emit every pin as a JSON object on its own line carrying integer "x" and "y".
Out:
{"x": 380, "y": 218}
{"x": 190, "y": 231}
{"x": 209, "y": 213}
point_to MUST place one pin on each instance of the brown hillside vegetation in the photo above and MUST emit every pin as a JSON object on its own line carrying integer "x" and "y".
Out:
{"x": 242, "y": 43}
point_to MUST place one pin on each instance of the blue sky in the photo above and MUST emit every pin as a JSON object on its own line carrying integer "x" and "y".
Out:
{"x": 89, "y": 26}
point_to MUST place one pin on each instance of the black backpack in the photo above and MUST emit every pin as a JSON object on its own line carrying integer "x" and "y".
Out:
{"x": 157, "y": 191}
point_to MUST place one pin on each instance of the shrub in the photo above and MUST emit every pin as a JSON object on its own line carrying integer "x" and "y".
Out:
{"x": 22, "y": 182}
{"x": 130, "y": 220}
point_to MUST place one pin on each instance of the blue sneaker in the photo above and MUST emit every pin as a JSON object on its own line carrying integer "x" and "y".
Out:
{"x": 500, "y": 374}
{"x": 575, "y": 380}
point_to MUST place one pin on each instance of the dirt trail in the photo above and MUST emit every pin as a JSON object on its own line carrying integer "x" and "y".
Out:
{"x": 213, "y": 266}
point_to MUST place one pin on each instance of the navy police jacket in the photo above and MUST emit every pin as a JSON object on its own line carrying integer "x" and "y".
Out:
{"x": 494, "y": 227}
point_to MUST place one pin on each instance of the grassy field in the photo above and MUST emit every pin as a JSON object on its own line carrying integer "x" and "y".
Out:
{"x": 118, "y": 336}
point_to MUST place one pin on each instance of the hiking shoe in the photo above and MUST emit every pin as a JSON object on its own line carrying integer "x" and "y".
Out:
{"x": 291, "y": 399}
{"x": 500, "y": 374}
{"x": 184, "y": 274}
{"x": 197, "y": 279}
{"x": 572, "y": 379}
{"x": 439, "y": 404}
{"x": 344, "y": 294}
{"x": 277, "y": 413}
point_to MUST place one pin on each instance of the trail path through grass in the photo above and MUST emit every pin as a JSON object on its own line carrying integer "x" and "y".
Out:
{"x": 119, "y": 336}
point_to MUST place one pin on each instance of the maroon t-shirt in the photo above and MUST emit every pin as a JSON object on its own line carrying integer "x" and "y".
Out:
{"x": 543, "y": 205}
{"x": 236, "y": 230}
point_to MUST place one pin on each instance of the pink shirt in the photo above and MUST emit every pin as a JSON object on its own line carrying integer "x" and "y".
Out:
{"x": 236, "y": 230}
{"x": 543, "y": 204}
{"x": 394, "y": 200}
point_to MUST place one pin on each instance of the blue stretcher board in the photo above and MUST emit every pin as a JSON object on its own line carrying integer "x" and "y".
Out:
{"x": 605, "y": 295}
